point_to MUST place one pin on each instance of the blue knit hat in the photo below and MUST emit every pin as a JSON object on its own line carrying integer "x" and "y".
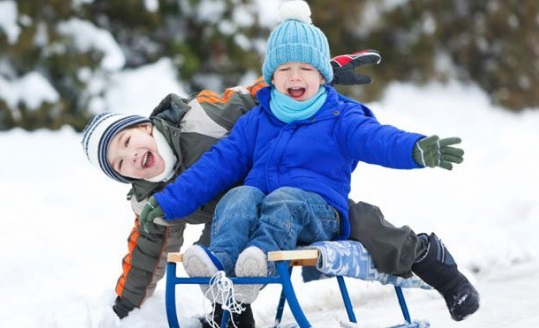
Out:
{"x": 297, "y": 40}
{"x": 99, "y": 132}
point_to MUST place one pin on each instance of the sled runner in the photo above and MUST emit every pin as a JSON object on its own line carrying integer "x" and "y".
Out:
{"x": 337, "y": 259}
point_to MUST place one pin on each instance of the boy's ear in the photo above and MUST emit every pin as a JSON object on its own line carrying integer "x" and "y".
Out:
{"x": 148, "y": 127}
{"x": 322, "y": 78}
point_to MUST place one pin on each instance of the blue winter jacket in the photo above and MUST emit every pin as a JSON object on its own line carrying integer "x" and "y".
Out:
{"x": 316, "y": 154}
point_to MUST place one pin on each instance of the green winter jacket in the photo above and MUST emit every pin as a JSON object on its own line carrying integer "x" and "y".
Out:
{"x": 191, "y": 126}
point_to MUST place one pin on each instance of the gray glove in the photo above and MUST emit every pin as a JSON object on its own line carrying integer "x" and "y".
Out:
{"x": 122, "y": 307}
{"x": 433, "y": 151}
{"x": 149, "y": 212}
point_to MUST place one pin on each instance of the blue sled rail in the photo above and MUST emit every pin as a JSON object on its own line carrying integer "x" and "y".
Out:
{"x": 285, "y": 261}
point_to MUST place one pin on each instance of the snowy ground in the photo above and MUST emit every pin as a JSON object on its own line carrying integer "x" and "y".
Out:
{"x": 64, "y": 225}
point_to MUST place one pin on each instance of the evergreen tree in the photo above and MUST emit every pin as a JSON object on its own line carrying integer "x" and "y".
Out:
{"x": 491, "y": 43}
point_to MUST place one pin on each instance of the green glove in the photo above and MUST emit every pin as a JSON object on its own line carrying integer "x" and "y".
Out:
{"x": 149, "y": 212}
{"x": 433, "y": 151}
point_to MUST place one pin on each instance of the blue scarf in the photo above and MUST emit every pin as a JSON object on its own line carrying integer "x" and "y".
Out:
{"x": 289, "y": 110}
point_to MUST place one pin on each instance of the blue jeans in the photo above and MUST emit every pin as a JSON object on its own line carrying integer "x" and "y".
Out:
{"x": 285, "y": 218}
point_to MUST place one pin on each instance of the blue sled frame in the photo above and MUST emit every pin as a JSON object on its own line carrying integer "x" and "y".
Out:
{"x": 284, "y": 270}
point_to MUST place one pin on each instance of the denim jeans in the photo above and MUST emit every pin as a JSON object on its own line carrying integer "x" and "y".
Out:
{"x": 281, "y": 220}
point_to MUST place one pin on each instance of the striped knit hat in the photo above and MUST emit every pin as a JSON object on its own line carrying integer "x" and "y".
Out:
{"x": 296, "y": 39}
{"x": 98, "y": 134}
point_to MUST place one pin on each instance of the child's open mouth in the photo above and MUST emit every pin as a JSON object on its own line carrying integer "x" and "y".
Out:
{"x": 296, "y": 93}
{"x": 147, "y": 160}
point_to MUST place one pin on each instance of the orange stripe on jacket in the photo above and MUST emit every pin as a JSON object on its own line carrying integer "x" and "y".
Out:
{"x": 126, "y": 263}
{"x": 213, "y": 97}
{"x": 127, "y": 266}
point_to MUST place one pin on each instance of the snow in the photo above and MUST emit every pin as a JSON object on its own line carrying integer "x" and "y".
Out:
{"x": 8, "y": 20}
{"x": 16, "y": 91}
{"x": 88, "y": 36}
{"x": 64, "y": 224}
{"x": 138, "y": 91}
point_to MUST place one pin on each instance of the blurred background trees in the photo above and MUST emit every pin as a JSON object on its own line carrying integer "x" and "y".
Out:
{"x": 77, "y": 45}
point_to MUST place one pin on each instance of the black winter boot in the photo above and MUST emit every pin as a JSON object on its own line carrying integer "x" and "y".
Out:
{"x": 438, "y": 269}
{"x": 242, "y": 320}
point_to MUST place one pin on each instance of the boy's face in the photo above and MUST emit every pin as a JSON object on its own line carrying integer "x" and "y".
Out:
{"x": 133, "y": 153}
{"x": 300, "y": 81}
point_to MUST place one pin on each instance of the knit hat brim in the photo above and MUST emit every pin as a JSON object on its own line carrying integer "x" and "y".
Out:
{"x": 299, "y": 52}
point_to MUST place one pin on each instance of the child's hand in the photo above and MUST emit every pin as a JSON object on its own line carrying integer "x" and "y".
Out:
{"x": 122, "y": 307}
{"x": 344, "y": 67}
{"x": 150, "y": 211}
{"x": 433, "y": 151}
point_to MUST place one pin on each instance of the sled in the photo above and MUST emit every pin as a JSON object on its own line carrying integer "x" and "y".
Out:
{"x": 285, "y": 261}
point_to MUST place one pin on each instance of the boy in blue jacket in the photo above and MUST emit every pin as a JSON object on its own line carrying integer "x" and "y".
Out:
{"x": 294, "y": 154}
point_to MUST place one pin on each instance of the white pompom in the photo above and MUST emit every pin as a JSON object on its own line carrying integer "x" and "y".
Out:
{"x": 295, "y": 9}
